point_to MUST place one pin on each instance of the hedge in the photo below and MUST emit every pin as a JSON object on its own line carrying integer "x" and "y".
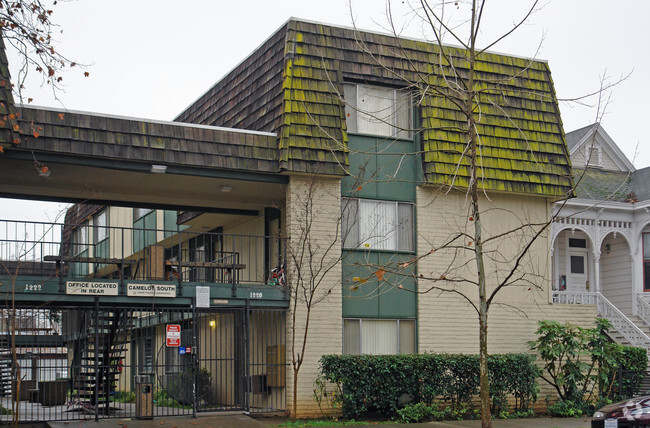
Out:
{"x": 382, "y": 383}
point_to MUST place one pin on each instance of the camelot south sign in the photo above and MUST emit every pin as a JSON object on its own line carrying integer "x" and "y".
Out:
{"x": 150, "y": 290}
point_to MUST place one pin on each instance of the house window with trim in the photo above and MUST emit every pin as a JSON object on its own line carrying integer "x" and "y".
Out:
{"x": 594, "y": 155}
{"x": 646, "y": 262}
{"x": 378, "y": 336}
{"x": 377, "y": 225}
{"x": 378, "y": 110}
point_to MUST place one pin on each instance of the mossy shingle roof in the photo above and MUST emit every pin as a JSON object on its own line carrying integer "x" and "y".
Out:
{"x": 291, "y": 85}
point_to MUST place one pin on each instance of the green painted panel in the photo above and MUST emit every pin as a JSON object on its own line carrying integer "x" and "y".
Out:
{"x": 367, "y": 296}
{"x": 397, "y": 298}
{"x": 359, "y": 299}
{"x": 382, "y": 169}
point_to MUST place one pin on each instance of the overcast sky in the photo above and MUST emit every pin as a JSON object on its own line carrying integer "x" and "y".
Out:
{"x": 152, "y": 58}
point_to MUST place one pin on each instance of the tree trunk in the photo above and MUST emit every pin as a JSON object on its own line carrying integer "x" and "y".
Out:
{"x": 295, "y": 393}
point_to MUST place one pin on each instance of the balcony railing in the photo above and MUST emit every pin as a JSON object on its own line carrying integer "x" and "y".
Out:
{"x": 70, "y": 252}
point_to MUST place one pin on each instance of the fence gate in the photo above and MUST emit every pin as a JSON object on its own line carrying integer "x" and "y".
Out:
{"x": 125, "y": 362}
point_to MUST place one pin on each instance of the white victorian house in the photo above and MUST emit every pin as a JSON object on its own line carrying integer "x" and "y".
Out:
{"x": 601, "y": 239}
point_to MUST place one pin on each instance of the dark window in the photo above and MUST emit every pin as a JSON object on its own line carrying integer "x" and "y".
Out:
{"x": 577, "y": 264}
{"x": 577, "y": 243}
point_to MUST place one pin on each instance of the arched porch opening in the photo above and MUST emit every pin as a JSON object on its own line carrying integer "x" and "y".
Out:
{"x": 616, "y": 282}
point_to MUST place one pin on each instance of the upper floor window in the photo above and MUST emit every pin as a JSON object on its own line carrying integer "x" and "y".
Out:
{"x": 378, "y": 110}
{"x": 378, "y": 225}
{"x": 101, "y": 226}
{"x": 594, "y": 155}
{"x": 80, "y": 239}
{"x": 140, "y": 212}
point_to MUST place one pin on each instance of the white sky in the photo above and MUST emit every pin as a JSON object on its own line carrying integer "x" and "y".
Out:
{"x": 152, "y": 58}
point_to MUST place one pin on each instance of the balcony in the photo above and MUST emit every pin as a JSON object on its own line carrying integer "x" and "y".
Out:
{"x": 136, "y": 265}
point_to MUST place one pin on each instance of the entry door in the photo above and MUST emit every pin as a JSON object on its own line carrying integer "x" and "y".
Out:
{"x": 578, "y": 279}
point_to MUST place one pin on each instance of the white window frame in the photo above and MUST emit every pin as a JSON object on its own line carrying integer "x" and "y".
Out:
{"x": 378, "y": 110}
{"x": 100, "y": 230}
{"x": 397, "y": 332}
{"x": 360, "y": 230}
{"x": 599, "y": 155}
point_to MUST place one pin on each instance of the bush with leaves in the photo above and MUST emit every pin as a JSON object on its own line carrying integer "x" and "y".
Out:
{"x": 381, "y": 383}
{"x": 581, "y": 363}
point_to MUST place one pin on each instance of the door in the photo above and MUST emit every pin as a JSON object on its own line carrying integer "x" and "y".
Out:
{"x": 578, "y": 278}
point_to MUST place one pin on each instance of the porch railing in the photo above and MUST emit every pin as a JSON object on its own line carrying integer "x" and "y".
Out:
{"x": 642, "y": 309}
{"x": 574, "y": 297}
{"x": 606, "y": 309}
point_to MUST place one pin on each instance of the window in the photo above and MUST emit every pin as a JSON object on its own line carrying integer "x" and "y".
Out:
{"x": 578, "y": 264}
{"x": 100, "y": 231}
{"x": 378, "y": 336}
{"x": 144, "y": 228}
{"x": 646, "y": 262}
{"x": 378, "y": 225}
{"x": 594, "y": 155}
{"x": 80, "y": 240}
{"x": 577, "y": 243}
{"x": 378, "y": 110}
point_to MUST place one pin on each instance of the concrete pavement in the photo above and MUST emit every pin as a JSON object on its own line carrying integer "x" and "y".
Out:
{"x": 242, "y": 421}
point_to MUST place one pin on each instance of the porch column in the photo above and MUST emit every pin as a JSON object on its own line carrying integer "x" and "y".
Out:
{"x": 596, "y": 286}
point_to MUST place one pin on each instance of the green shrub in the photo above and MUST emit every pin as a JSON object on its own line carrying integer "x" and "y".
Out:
{"x": 378, "y": 382}
{"x": 566, "y": 409}
{"x": 418, "y": 412}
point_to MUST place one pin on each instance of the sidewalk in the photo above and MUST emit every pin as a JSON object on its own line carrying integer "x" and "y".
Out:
{"x": 243, "y": 421}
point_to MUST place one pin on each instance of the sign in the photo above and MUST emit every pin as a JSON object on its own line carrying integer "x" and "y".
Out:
{"x": 220, "y": 301}
{"x": 181, "y": 350}
{"x": 188, "y": 349}
{"x": 150, "y": 290}
{"x": 202, "y": 297}
{"x": 91, "y": 288}
{"x": 173, "y": 335}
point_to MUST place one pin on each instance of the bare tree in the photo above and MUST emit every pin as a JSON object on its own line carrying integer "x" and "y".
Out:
{"x": 312, "y": 258}
{"x": 476, "y": 261}
{"x": 27, "y": 26}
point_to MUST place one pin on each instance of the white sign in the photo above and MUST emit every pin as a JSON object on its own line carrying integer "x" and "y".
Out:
{"x": 150, "y": 290}
{"x": 202, "y": 297}
{"x": 91, "y": 288}
{"x": 173, "y": 335}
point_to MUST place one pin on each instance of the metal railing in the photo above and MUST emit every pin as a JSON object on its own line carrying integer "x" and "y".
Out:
{"x": 76, "y": 251}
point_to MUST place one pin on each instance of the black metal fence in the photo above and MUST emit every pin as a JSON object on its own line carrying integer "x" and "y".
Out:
{"x": 69, "y": 363}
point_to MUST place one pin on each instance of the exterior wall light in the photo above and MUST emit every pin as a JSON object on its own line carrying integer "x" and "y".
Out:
{"x": 608, "y": 248}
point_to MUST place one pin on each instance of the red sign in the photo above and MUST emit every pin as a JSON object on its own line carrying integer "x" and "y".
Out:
{"x": 188, "y": 349}
{"x": 173, "y": 335}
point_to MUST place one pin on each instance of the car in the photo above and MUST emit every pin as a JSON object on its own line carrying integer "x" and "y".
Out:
{"x": 632, "y": 413}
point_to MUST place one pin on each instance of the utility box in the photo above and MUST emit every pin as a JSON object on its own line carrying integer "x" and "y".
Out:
{"x": 143, "y": 397}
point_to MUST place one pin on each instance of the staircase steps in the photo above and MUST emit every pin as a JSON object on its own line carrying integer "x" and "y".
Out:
{"x": 104, "y": 342}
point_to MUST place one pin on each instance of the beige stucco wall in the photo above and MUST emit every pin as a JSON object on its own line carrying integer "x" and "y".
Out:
{"x": 325, "y": 334}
